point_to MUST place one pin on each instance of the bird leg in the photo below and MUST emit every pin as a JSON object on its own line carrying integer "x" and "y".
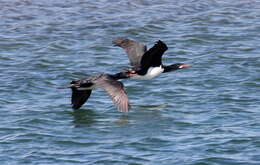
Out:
{"x": 131, "y": 72}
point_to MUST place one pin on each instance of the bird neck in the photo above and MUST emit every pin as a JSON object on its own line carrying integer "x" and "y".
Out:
{"x": 170, "y": 68}
{"x": 120, "y": 75}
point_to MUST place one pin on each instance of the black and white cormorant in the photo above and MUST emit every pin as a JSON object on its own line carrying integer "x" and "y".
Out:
{"x": 146, "y": 64}
{"x": 82, "y": 88}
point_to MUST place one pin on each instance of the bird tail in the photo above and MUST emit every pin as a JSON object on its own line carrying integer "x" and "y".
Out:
{"x": 64, "y": 87}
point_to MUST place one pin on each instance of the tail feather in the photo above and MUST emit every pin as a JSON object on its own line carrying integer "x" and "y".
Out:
{"x": 67, "y": 86}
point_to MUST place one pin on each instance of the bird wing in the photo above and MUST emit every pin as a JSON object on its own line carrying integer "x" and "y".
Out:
{"x": 115, "y": 90}
{"x": 134, "y": 50}
{"x": 153, "y": 57}
{"x": 79, "y": 97}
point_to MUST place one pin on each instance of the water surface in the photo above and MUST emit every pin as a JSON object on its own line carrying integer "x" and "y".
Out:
{"x": 207, "y": 114}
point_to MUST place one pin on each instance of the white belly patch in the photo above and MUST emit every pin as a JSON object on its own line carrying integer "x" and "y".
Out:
{"x": 151, "y": 73}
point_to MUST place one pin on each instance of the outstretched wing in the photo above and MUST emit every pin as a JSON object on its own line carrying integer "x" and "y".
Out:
{"x": 153, "y": 57}
{"x": 79, "y": 97}
{"x": 135, "y": 50}
{"x": 115, "y": 90}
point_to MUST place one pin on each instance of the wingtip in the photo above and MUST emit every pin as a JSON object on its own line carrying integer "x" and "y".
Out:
{"x": 161, "y": 43}
{"x": 125, "y": 109}
{"x": 118, "y": 40}
{"x": 75, "y": 107}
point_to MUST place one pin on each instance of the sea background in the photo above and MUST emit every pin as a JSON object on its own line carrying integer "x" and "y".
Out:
{"x": 208, "y": 114}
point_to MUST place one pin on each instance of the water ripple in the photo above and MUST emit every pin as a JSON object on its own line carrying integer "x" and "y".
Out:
{"x": 211, "y": 107}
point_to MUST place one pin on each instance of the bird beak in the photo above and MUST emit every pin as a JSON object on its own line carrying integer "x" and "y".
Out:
{"x": 182, "y": 66}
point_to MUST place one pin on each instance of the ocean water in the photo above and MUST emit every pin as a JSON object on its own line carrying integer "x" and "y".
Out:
{"x": 208, "y": 114}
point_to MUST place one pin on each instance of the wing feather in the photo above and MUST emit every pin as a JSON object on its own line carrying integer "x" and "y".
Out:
{"x": 79, "y": 97}
{"x": 115, "y": 90}
{"x": 153, "y": 57}
{"x": 134, "y": 50}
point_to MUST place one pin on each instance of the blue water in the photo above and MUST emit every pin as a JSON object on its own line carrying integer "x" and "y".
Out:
{"x": 204, "y": 115}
